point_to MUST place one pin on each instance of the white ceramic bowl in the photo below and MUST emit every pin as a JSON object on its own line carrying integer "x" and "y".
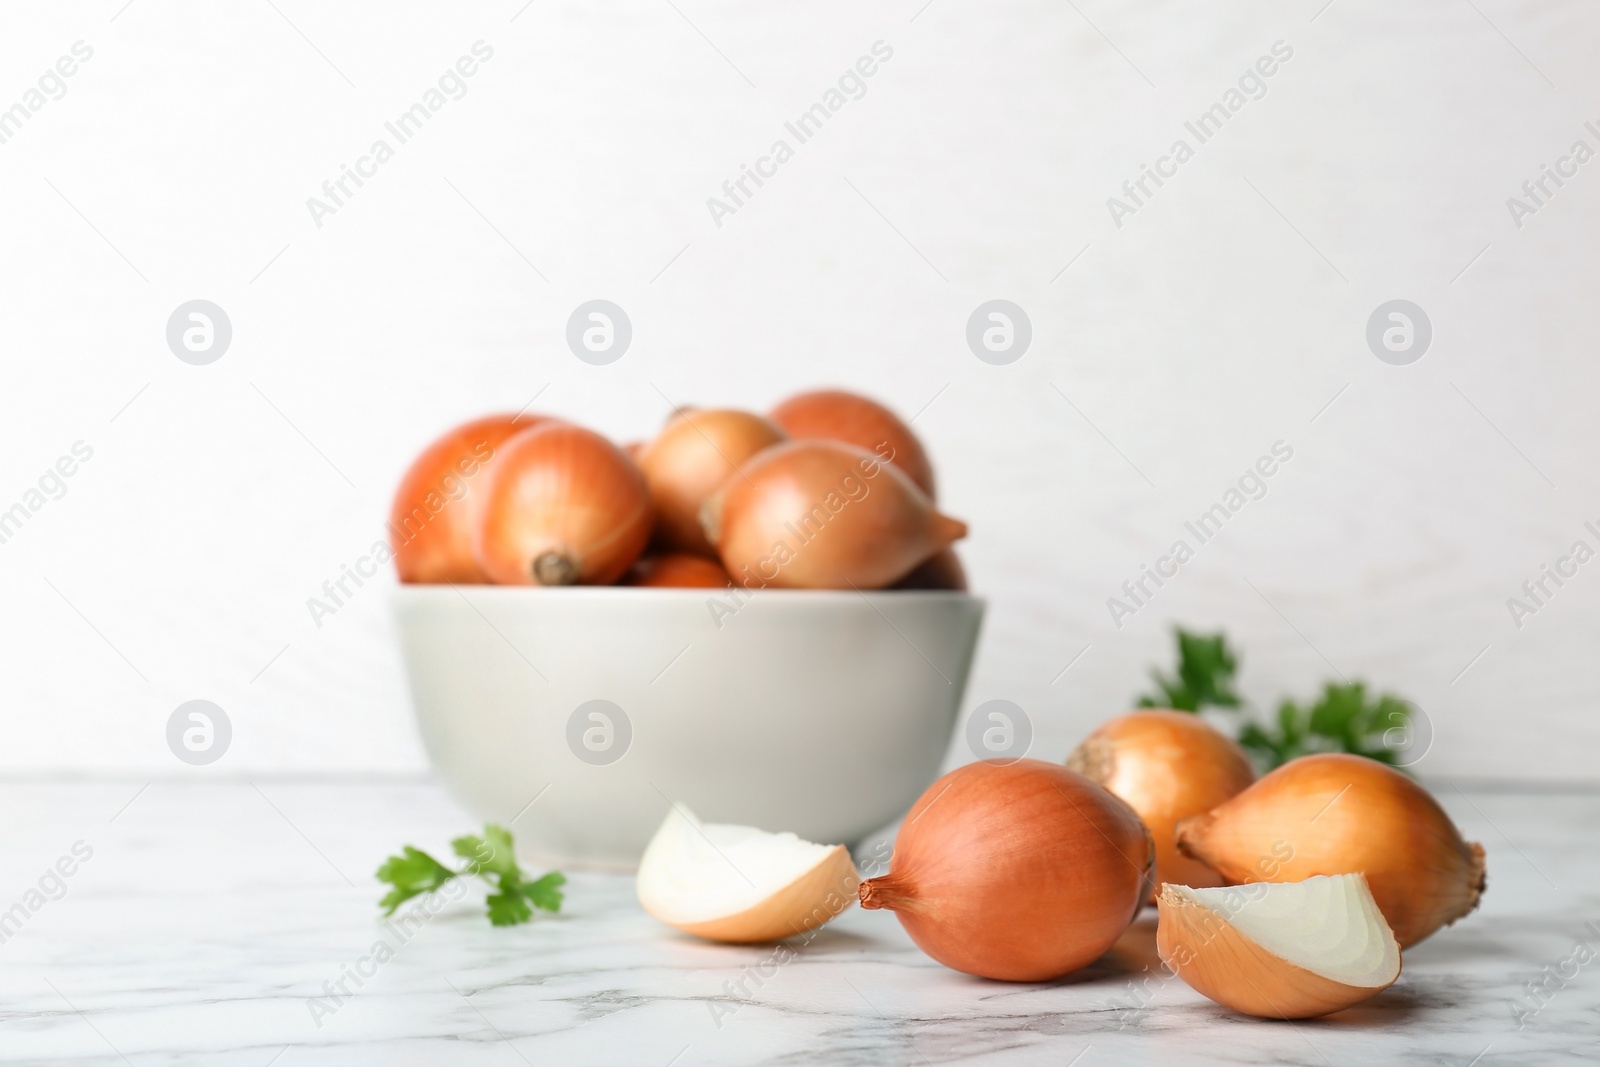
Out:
{"x": 823, "y": 713}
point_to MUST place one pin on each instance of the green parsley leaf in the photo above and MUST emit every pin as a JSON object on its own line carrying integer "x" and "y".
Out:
{"x": 1344, "y": 718}
{"x": 509, "y": 909}
{"x": 1206, "y": 669}
{"x": 412, "y": 873}
{"x": 492, "y": 857}
{"x": 546, "y": 892}
{"x": 490, "y": 854}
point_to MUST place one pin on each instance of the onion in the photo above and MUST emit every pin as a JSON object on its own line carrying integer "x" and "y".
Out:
{"x": 694, "y": 454}
{"x": 1290, "y": 951}
{"x": 835, "y": 415}
{"x": 823, "y": 515}
{"x": 942, "y": 570}
{"x": 1168, "y": 765}
{"x": 437, "y": 505}
{"x": 678, "y": 570}
{"x": 737, "y": 883}
{"x": 1338, "y": 814}
{"x": 563, "y": 505}
{"x": 1016, "y": 869}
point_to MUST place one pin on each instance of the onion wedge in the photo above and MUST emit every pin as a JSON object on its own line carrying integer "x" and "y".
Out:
{"x": 1283, "y": 950}
{"x": 736, "y": 883}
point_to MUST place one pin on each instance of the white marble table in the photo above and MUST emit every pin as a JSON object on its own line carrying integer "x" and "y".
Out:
{"x": 211, "y": 912}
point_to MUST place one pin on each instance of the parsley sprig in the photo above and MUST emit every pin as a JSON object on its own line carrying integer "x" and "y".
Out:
{"x": 1344, "y": 718}
{"x": 490, "y": 857}
{"x": 1206, "y": 666}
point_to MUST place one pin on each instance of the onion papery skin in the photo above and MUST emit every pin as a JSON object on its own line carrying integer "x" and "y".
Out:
{"x": 1168, "y": 765}
{"x": 678, "y": 570}
{"x": 564, "y": 506}
{"x": 823, "y": 515}
{"x": 1018, "y": 870}
{"x": 942, "y": 570}
{"x": 835, "y": 415}
{"x": 727, "y": 882}
{"x": 695, "y": 453}
{"x": 439, "y": 502}
{"x": 844, "y": 416}
{"x": 805, "y": 904}
{"x": 1217, "y": 961}
{"x": 1341, "y": 814}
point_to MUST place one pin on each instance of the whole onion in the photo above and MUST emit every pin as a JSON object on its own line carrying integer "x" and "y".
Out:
{"x": 438, "y": 504}
{"x": 823, "y": 515}
{"x": 835, "y": 415}
{"x": 695, "y": 453}
{"x": 1334, "y": 813}
{"x": 1016, "y": 869}
{"x": 563, "y": 506}
{"x": 1169, "y": 765}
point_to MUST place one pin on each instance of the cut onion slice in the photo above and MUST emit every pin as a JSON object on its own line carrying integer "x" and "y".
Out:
{"x": 737, "y": 883}
{"x": 1284, "y": 950}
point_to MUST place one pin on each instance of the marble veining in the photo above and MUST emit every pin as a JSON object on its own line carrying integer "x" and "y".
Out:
{"x": 216, "y": 921}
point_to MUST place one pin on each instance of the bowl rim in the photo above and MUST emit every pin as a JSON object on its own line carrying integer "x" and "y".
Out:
{"x": 424, "y": 591}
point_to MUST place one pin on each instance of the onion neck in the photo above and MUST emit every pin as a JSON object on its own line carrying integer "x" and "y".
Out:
{"x": 1191, "y": 839}
{"x": 887, "y": 892}
{"x": 1093, "y": 759}
{"x": 554, "y": 567}
{"x": 1477, "y": 879}
{"x": 946, "y": 529}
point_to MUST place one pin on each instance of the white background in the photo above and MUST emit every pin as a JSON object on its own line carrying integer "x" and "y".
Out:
{"x": 1225, "y": 315}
